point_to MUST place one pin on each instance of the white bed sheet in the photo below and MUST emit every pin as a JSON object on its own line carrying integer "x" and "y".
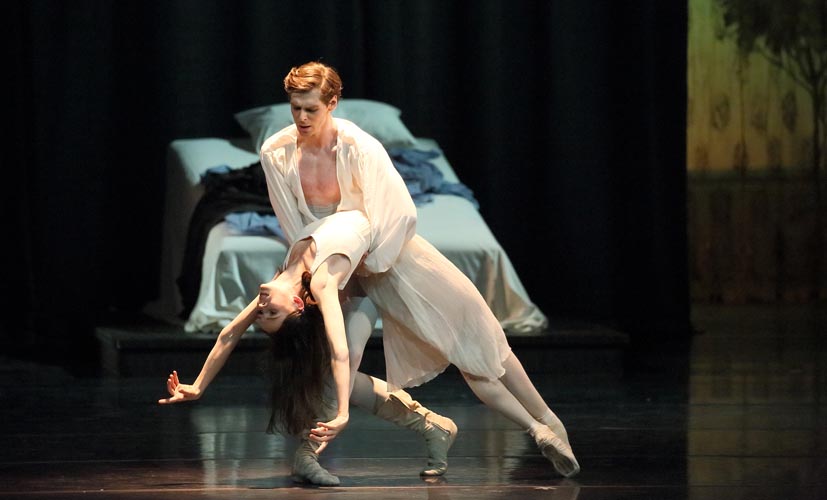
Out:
{"x": 235, "y": 264}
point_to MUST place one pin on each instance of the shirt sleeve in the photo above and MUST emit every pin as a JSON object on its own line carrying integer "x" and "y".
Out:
{"x": 388, "y": 207}
{"x": 284, "y": 202}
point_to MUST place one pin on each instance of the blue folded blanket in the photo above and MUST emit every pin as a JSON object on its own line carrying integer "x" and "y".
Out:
{"x": 423, "y": 178}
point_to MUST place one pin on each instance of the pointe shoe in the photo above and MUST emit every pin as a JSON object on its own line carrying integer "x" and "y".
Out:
{"x": 556, "y": 425}
{"x": 556, "y": 451}
{"x": 307, "y": 470}
{"x": 439, "y": 432}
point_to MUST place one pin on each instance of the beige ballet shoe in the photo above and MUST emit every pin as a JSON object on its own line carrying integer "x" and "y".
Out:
{"x": 556, "y": 450}
{"x": 306, "y": 467}
{"x": 439, "y": 432}
{"x": 556, "y": 425}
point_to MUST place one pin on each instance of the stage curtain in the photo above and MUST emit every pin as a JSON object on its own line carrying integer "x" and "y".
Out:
{"x": 566, "y": 118}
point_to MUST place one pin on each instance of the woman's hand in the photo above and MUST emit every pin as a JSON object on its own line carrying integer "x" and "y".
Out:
{"x": 327, "y": 431}
{"x": 178, "y": 391}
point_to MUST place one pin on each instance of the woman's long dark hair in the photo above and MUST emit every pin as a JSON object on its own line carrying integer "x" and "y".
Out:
{"x": 299, "y": 368}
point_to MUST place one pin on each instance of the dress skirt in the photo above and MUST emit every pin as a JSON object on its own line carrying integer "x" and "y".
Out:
{"x": 433, "y": 316}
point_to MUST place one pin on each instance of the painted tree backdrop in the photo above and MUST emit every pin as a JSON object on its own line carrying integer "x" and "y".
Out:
{"x": 743, "y": 112}
{"x": 756, "y": 80}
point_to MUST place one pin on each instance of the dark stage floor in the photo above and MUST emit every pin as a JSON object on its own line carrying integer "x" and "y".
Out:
{"x": 742, "y": 415}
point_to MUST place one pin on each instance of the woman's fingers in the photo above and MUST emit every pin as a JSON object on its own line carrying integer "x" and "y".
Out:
{"x": 336, "y": 425}
{"x": 172, "y": 385}
{"x": 321, "y": 448}
{"x": 323, "y": 433}
{"x": 320, "y": 439}
{"x": 323, "y": 430}
{"x": 177, "y": 391}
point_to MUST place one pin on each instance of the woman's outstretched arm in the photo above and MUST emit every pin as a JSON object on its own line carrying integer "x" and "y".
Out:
{"x": 224, "y": 345}
{"x": 326, "y": 291}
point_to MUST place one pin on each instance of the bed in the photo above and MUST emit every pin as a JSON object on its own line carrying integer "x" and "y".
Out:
{"x": 232, "y": 263}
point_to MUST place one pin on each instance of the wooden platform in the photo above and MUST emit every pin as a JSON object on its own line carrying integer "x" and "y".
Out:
{"x": 147, "y": 348}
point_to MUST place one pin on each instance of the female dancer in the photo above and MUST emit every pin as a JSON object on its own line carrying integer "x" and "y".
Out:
{"x": 433, "y": 316}
{"x": 308, "y": 352}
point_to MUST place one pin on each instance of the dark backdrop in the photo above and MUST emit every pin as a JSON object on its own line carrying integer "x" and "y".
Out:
{"x": 567, "y": 119}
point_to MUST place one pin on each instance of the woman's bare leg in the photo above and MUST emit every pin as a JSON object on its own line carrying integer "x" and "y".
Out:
{"x": 517, "y": 382}
{"x": 496, "y": 395}
{"x": 360, "y": 317}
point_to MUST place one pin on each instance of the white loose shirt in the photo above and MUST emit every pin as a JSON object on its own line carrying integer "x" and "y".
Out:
{"x": 368, "y": 183}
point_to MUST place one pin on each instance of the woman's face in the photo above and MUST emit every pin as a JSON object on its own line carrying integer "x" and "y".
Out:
{"x": 276, "y": 301}
{"x": 310, "y": 114}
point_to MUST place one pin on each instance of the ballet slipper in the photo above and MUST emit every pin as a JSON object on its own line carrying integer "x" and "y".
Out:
{"x": 556, "y": 425}
{"x": 439, "y": 432}
{"x": 555, "y": 450}
{"x": 306, "y": 467}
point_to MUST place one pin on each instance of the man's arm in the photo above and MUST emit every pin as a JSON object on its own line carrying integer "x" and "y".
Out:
{"x": 388, "y": 206}
{"x": 283, "y": 201}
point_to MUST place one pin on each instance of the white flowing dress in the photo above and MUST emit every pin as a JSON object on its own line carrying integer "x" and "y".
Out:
{"x": 432, "y": 314}
{"x": 345, "y": 233}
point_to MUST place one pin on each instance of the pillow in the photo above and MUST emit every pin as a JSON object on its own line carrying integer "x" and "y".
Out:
{"x": 264, "y": 121}
{"x": 376, "y": 118}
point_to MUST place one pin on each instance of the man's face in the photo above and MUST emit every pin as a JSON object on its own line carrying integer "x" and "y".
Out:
{"x": 310, "y": 114}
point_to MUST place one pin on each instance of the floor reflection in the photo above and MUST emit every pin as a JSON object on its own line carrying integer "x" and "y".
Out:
{"x": 757, "y": 398}
{"x": 740, "y": 415}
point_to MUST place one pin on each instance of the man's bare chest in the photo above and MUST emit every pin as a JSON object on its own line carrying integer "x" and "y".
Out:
{"x": 319, "y": 180}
